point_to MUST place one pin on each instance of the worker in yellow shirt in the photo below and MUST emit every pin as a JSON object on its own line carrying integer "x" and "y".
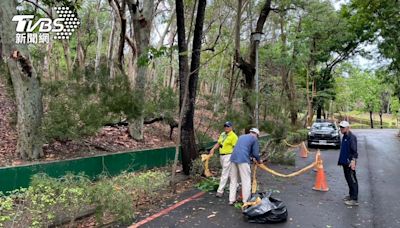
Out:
{"x": 226, "y": 142}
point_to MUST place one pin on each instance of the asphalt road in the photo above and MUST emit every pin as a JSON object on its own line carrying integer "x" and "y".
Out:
{"x": 378, "y": 173}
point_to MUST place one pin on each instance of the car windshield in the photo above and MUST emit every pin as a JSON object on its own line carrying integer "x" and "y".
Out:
{"x": 324, "y": 126}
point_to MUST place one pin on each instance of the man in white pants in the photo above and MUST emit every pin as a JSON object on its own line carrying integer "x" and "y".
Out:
{"x": 246, "y": 147}
{"x": 226, "y": 142}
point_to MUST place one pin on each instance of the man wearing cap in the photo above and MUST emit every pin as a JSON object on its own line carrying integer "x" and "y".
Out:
{"x": 348, "y": 159}
{"x": 247, "y": 148}
{"x": 226, "y": 142}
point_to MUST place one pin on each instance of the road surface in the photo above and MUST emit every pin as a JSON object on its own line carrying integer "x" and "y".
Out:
{"x": 378, "y": 174}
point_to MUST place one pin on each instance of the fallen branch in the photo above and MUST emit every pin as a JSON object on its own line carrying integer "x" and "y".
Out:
{"x": 172, "y": 123}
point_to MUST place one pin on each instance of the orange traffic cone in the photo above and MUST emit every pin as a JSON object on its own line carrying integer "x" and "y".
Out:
{"x": 320, "y": 181}
{"x": 303, "y": 150}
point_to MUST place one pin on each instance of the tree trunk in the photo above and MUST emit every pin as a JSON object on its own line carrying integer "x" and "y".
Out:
{"x": 26, "y": 86}
{"x": 80, "y": 52}
{"x": 310, "y": 111}
{"x": 116, "y": 45}
{"x": 371, "y": 120}
{"x": 111, "y": 39}
{"x": 183, "y": 79}
{"x": 47, "y": 61}
{"x": 189, "y": 147}
{"x": 67, "y": 56}
{"x": 319, "y": 112}
{"x": 142, "y": 17}
{"x": 380, "y": 119}
{"x": 99, "y": 38}
{"x": 237, "y": 28}
{"x": 287, "y": 79}
{"x": 187, "y": 104}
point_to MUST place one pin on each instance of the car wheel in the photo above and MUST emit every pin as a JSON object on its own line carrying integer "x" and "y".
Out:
{"x": 337, "y": 146}
{"x": 309, "y": 145}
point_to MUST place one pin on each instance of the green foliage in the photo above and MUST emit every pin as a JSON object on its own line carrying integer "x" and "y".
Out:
{"x": 49, "y": 198}
{"x": 209, "y": 184}
{"x": 297, "y": 136}
{"x": 111, "y": 199}
{"x": 118, "y": 98}
{"x": 77, "y": 109}
{"x": 197, "y": 168}
{"x": 120, "y": 195}
{"x": 161, "y": 101}
{"x": 276, "y": 151}
{"x": 72, "y": 114}
{"x": 203, "y": 139}
{"x": 238, "y": 205}
{"x": 279, "y": 155}
{"x": 395, "y": 104}
{"x": 153, "y": 53}
{"x": 6, "y": 209}
{"x": 361, "y": 90}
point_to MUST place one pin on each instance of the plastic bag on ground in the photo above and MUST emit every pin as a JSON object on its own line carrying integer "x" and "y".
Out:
{"x": 270, "y": 210}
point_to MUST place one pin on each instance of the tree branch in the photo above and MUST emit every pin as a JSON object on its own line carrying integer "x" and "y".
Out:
{"x": 212, "y": 48}
{"x": 131, "y": 44}
{"x": 41, "y": 8}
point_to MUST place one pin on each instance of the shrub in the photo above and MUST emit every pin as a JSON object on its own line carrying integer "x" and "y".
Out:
{"x": 111, "y": 199}
{"x": 276, "y": 152}
{"x": 120, "y": 195}
{"x": 47, "y": 198}
{"x": 284, "y": 158}
{"x": 297, "y": 136}
{"x": 197, "y": 169}
{"x": 73, "y": 110}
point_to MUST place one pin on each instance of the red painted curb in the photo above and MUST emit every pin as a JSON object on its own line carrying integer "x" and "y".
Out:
{"x": 166, "y": 211}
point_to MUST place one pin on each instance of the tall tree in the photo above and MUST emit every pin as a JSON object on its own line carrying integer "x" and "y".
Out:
{"x": 379, "y": 21}
{"x": 26, "y": 86}
{"x": 187, "y": 104}
{"x": 329, "y": 40}
{"x": 142, "y": 13}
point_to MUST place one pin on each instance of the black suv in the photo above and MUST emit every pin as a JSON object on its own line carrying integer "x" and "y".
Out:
{"x": 324, "y": 133}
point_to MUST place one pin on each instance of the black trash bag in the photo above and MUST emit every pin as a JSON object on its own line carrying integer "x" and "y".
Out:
{"x": 270, "y": 210}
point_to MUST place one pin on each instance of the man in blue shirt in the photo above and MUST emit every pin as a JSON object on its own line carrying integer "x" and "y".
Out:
{"x": 348, "y": 158}
{"x": 247, "y": 147}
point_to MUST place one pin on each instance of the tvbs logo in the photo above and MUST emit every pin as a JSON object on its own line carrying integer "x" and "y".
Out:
{"x": 25, "y": 24}
{"x": 30, "y": 31}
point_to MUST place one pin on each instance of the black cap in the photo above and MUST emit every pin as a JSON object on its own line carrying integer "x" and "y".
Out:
{"x": 228, "y": 124}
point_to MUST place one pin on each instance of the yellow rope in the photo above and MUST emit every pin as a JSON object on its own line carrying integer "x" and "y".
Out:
{"x": 254, "y": 184}
{"x": 250, "y": 204}
{"x": 288, "y": 144}
{"x": 207, "y": 173}
{"x": 205, "y": 158}
{"x": 265, "y": 168}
